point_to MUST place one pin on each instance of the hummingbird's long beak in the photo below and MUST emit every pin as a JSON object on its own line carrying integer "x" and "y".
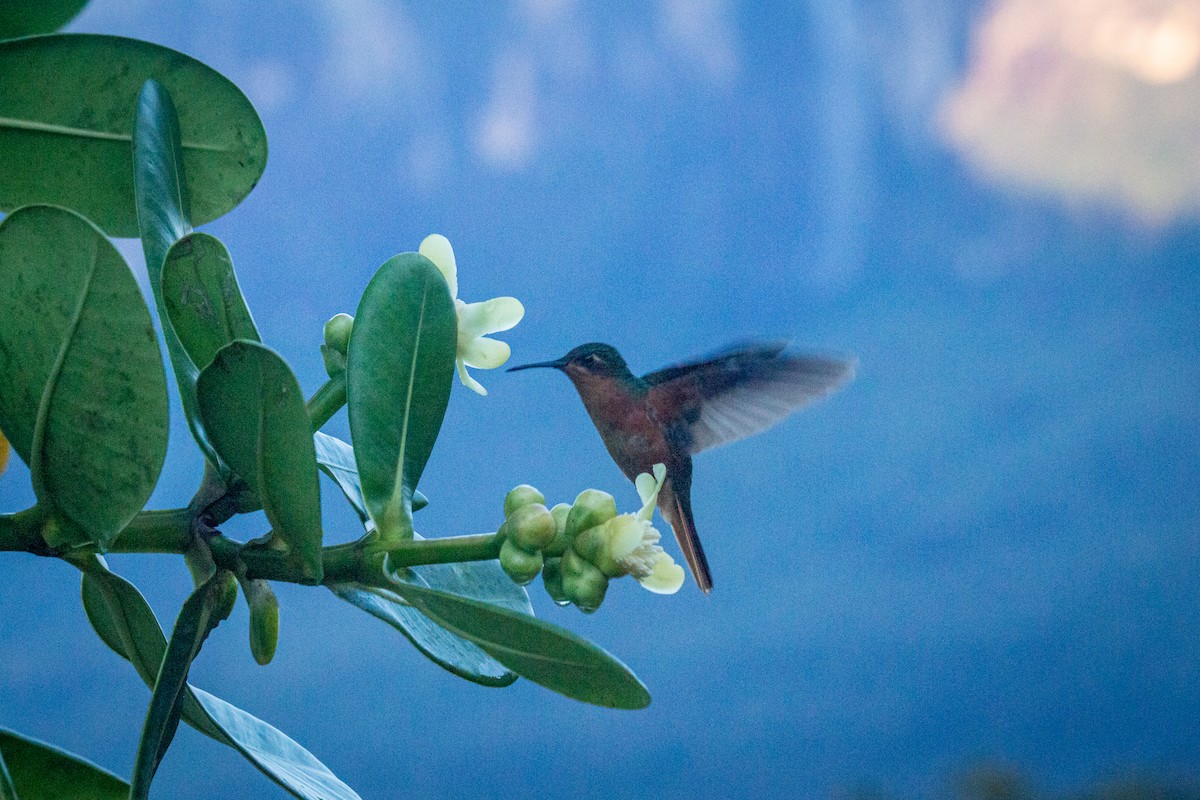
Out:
{"x": 555, "y": 364}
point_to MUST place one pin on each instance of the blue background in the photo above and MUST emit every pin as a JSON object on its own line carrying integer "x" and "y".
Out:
{"x": 985, "y": 548}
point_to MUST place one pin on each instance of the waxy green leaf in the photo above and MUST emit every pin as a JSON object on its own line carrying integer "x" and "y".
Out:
{"x": 399, "y": 370}
{"x": 124, "y": 621}
{"x": 7, "y": 790}
{"x": 83, "y": 397}
{"x": 336, "y": 459}
{"x": 481, "y": 580}
{"x": 19, "y": 18}
{"x": 543, "y": 653}
{"x": 203, "y": 300}
{"x": 253, "y": 409}
{"x": 207, "y": 607}
{"x": 65, "y": 128}
{"x": 161, "y": 193}
{"x": 40, "y": 771}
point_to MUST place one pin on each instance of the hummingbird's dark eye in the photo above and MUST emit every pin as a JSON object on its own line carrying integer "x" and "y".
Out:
{"x": 593, "y": 360}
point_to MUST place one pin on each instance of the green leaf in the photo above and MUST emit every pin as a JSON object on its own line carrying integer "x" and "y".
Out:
{"x": 543, "y": 653}
{"x": 253, "y": 410}
{"x": 336, "y": 459}
{"x": 41, "y": 771}
{"x": 124, "y": 621}
{"x": 66, "y": 125}
{"x": 278, "y": 756}
{"x": 83, "y": 397}
{"x": 211, "y": 603}
{"x": 7, "y": 790}
{"x": 481, "y": 580}
{"x": 23, "y": 18}
{"x": 160, "y": 189}
{"x": 203, "y": 300}
{"x": 399, "y": 369}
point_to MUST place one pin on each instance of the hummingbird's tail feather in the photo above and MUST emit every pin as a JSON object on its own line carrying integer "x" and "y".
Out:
{"x": 677, "y": 509}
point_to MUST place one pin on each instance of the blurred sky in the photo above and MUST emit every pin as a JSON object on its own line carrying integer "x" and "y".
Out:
{"x": 985, "y": 548}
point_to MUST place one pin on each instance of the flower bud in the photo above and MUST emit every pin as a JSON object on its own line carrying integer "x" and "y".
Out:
{"x": 583, "y": 584}
{"x": 560, "y": 512}
{"x": 530, "y": 527}
{"x": 591, "y": 542}
{"x": 264, "y": 619}
{"x": 607, "y": 545}
{"x": 520, "y": 565}
{"x": 522, "y": 495}
{"x": 552, "y": 578}
{"x": 337, "y": 332}
{"x": 559, "y": 545}
{"x": 335, "y": 362}
{"x": 592, "y": 507}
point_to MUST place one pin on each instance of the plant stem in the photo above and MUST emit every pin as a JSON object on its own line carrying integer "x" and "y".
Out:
{"x": 327, "y": 401}
{"x": 172, "y": 531}
{"x": 447, "y": 550}
{"x": 165, "y": 531}
{"x": 353, "y": 562}
{"x": 22, "y": 532}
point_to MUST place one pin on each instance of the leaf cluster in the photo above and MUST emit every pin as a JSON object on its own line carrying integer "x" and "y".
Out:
{"x": 110, "y": 137}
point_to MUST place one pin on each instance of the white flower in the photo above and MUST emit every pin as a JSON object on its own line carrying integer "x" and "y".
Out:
{"x": 633, "y": 541}
{"x": 475, "y": 320}
{"x": 648, "y": 487}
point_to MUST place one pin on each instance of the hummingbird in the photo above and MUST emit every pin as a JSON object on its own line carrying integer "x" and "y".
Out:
{"x": 666, "y": 417}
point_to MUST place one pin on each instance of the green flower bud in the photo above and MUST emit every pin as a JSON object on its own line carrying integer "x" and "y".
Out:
{"x": 264, "y": 619}
{"x": 592, "y": 507}
{"x": 224, "y": 602}
{"x": 335, "y": 362}
{"x": 560, "y": 512}
{"x": 610, "y": 546}
{"x": 520, "y": 565}
{"x": 530, "y": 527}
{"x": 337, "y": 332}
{"x": 560, "y": 544}
{"x": 552, "y": 577}
{"x": 583, "y": 584}
{"x": 591, "y": 543}
{"x": 522, "y": 495}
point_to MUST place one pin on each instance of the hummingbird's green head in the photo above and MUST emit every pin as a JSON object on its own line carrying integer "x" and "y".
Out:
{"x": 594, "y": 359}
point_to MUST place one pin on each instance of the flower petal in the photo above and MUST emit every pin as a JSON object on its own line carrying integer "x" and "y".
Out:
{"x": 667, "y": 577}
{"x": 625, "y": 534}
{"x": 467, "y": 380}
{"x": 437, "y": 249}
{"x": 484, "y": 353}
{"x": 648, "y": 488}
{"x": 490, "y": 316}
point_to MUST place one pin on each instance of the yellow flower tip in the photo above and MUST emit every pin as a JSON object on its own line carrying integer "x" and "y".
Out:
{"x": 437, "y": 249}
{"x": 491, "y": 316}
{"x": 648, "y": 486}
{"x": 468, "y": 381}
{"x": 484, "y": 353}
{"x": 632, "y": 549}
{"x": 475, "y": 320}
{"x": 4, "y": 448}
{"x": 666, "y": 577}
{"x": 625, "y": 534}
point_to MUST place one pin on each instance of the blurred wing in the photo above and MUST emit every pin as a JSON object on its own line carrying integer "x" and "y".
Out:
{"x": 742, "y": 392}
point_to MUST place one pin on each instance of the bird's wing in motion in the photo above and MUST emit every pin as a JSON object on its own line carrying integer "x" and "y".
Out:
{"x": 742, "y": 391}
